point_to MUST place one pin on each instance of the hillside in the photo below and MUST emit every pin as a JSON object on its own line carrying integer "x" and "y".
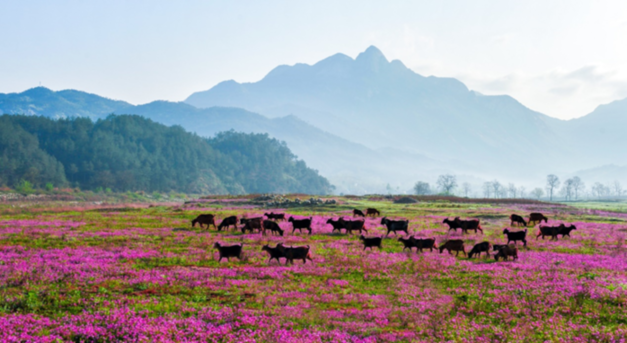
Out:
{"x": 378, "y": 103}
{"x": 134, "y": 153}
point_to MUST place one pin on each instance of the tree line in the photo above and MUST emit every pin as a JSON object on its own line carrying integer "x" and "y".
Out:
{"x": 132, "y": 153}
{"x": 571, "y": 189}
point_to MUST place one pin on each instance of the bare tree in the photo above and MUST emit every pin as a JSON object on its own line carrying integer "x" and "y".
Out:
{"x": 567, "y": 189}
{"x": 422, "y": 188}
{"x": 578, "y": 186}
{"x": 552, "y": 182}
{"x": 537, "y": 193}
{"x": 467, "y": 188}
{"x": 496, "y": 188}
{"x": 487, "y": 189}
{"x": 599, "y": 191}
{"x": 617, "y": 188}
{"x": 447, "y": 183}
{"x": 521, "y": 191}
{"x": 512, "y": 191}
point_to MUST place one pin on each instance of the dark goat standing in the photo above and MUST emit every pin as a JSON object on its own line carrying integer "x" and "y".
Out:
{"x": 565, "y": 231}
{"x": 370, "y": 242}
{"x": 514, "y": 218}
{"x": 275, "y": 252}
{"x": 358, "y": 213}
{"x": 372, "y": 212}
{"x": 337, "y": 224}
{"x": 456, "y": 245}
{"x": 537, "y": 217}
{"x": 395, "y": 225}
{"x": 229, "y": 251}
{"x": 425, "y": 243}
{"x": 275, "y": 216}
{"x": 252, "y": 224}
{"x": 300, "y": 224}
{"x": 506, "y": 251}
{"x": 408, "y": 243}
{"x": 549, "y": 231}
{"x": 272, "y": 226}
{"x": 207, "y": 219}
{"x": 479, "y": 248}
{"x": 226, "y": 222}
{"x": 516, "y": 236}
{"x": 244, "y": 220}
{"x": 354, "y": 225}
{"x": 291, "y": 253}
{"x": 452, "y": 224}
{"x": 467, "y": 225}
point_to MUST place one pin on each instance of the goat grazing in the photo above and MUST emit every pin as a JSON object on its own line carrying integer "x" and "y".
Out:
{"x": 514, "y": 218}
{"x": 358, "y": 213}
{"x": 456, "y": 245}
{"x": 229, "y": 251}
{"x": 537, "y": 218}
{"x": 207, "y": 219}
{"x": 506, "y": 251}
{"x": 228, "y": 221}
{"x": 272, "y": 226}
{"x": 370, "y": 242}
{"x": 516, "y": 236}
{"x": 549, "y": 231}
{"x": 479, "y": 248}
{"x": 300, "y": 224}
{"x": 372, "y": 212}
{"x": 425, "y": 243}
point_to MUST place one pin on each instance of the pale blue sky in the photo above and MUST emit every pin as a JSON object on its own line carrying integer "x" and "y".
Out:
{"x": 562, "y": 58}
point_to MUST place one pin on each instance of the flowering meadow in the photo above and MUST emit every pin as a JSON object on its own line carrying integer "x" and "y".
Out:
{"x": 143, "y": 274}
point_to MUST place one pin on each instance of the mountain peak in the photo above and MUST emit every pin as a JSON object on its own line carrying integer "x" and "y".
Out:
{"x": 372, "y": 59}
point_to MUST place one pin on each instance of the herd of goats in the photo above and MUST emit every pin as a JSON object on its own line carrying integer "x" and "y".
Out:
{"x": 503, "y": 251}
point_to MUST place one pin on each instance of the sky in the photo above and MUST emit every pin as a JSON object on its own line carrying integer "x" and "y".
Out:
{"x": 561, "y": 58}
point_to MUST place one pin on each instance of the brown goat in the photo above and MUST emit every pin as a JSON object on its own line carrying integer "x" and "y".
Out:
{"x": 207, "y": 219}
{"x": 506, "y": 251}
{"x": 456, "y": 245}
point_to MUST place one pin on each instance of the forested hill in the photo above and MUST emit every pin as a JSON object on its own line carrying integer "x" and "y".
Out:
{"x": 134, "y": 153}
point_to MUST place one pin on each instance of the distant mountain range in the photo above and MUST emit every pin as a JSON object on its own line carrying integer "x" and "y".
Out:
{"x": 367, "y": 121}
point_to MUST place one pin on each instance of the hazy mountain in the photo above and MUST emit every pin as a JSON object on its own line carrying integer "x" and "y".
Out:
{"x": 378, "y": 103}
{"x": 352, "y": 167}
{"x": 62, "y": 104}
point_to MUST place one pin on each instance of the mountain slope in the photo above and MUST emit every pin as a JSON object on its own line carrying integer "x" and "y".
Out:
{"x": 378, "y": 103}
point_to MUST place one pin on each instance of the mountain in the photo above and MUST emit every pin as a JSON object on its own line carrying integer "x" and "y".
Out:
{"x": 351, "y": 167}
{"x": 380, "y": 103}
{"x": 130, "y": 152}
{"x": 42, "y": 101}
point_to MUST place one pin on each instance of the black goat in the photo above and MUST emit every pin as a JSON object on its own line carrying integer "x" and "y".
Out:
{"x": 479, "y": 248}
{"x": 514, "y": 218}
{"x": 228, "y": 221}
{"x": 497, "y": 247}
{"x": 467, "y": 225}
{"x": 565, "y": 231}
{"x": 207, "y": 219}
{"x": 252, "y": 224}
{"x": 300, "y": 224}
{"x": 370, "y": 242}
{"x": 516, "y": 236}
{"x": 275, "y": 252}
{"x": 354, "y": 225}
{"x": 537, "y": 218}
{"x": 456, "y": 245}
{"x": 508, "y": 250}
{"x": 229, "y": 251}
{"x": 395, "y": 225}
{"x": 275, "y": 216}
{"x": 272, "y": 226}
{"x": 291, "y": 253}
{"x": 425, "y": 243}
{"x": 549, "y": 231}
{"x": 337, "y": 224}
{"x": 452, "y": 224}
{"x": 358, "y": 213}
{"x": 408, "y": 243}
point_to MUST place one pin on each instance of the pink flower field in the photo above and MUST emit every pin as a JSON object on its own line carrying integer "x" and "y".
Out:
{"x": 145, "y": 275}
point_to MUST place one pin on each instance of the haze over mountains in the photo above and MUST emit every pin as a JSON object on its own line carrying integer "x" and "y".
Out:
{"x": 366, "y": 122}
